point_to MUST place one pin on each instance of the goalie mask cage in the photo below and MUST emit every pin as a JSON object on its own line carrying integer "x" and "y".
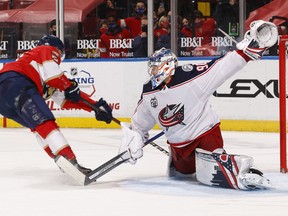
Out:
{"x": 283, "y": 42}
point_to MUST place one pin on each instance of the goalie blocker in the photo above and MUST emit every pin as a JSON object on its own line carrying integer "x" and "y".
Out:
{"x": 228, "y": 171}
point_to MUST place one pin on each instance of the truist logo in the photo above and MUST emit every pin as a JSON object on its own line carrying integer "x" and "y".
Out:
{"x": 171, "y": 115}
{"x": 26, "y": 45}
{"x": 88, "y": 44}
{"x": 121, "y": 43}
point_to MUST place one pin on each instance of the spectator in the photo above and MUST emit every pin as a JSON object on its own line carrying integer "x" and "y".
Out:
{"x": 163, "y": 27}
{"x": 186, "y": 30}
{"x": 133, "y": 24}
{"x": 203, "y": 28}
{"x": 114, "y": 43}
{"x": 139, "y": 44}
{"x": 164, "y": 40}
{"x": 103, "y": 27}
{"x": 52, "y": 31}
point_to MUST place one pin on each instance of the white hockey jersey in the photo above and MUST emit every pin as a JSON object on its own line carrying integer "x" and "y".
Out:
{"x": 181, "y": 108}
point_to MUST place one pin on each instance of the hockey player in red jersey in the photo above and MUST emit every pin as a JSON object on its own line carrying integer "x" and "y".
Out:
{"x": 34, "y": 77}
{"x": 177, "y": 99}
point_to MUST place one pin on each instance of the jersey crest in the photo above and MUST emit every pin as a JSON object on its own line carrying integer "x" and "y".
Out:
{"x": 171, "y": 115}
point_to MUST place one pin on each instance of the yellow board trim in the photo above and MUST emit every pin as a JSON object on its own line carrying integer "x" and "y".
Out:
{"x": 226, "y": 125}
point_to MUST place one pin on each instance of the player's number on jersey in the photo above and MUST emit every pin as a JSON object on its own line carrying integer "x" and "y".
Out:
{"x": 202, "y": 67}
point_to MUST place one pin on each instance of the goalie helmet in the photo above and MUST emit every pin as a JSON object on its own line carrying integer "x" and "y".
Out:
{"x": 162, "y": 64}
{"x": 51, "y": 40}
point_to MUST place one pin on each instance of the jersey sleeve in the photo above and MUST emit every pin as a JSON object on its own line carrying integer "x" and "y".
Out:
{"x": 50, "y": 70}
{"x": 60, "y": 100}
{"x": 142, "y": 120}
{"x": 213, "y": 74}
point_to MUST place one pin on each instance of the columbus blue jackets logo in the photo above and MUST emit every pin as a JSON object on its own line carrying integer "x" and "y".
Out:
{"x": 171, "y": 115}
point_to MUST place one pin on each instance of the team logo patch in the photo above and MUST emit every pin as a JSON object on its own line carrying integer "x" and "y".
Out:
{"x": 187, "y": 67}
{"x": 171, "y": 115}
{"x": 154, "y": 102}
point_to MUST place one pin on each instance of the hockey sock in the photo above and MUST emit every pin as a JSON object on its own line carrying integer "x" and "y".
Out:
{"x": 67, "y": 153}
{"x": 49, "y": 152}
{"x": 45, "y": 128}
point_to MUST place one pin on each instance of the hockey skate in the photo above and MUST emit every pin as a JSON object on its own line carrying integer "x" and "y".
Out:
{"x": 254, "y": 179}
{"x": 75, "y": 163}
{"x": 82, "y": 169}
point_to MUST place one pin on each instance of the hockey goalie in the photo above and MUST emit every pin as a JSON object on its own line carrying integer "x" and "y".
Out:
{"x": 177, "y": 99}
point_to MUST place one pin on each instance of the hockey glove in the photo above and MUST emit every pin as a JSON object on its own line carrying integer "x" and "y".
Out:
{"x": 131, "y": 141}
{"x": 104, "y": 113}
{"x": 261, "y": 36}
{"x": 72, "y": 93}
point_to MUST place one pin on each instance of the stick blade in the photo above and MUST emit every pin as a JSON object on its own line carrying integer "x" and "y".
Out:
{"x": 71, "y": 170}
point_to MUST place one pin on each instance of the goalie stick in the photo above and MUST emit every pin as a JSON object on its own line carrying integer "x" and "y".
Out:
{"x": 83, "y": 179}
{"x": 228, "y": 36}
{"x": 119, "y": 123}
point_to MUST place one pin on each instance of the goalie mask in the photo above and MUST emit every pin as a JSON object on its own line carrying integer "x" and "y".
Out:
{"x": 51, "y": 40}
{"x": 162, "y": 64}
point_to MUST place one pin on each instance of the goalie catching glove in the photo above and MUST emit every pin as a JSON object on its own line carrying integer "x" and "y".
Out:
{"x": 261, "y": 36}
{"x": 132, "y": 141}
{"x": 104, "y": 112}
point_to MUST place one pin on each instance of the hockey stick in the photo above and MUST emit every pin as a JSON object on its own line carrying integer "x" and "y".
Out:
{"x": 228, "y": 36}
{"x": 92, "y": 106}
{"x": 83, "y": 179}
{"x": 113, "y": 163}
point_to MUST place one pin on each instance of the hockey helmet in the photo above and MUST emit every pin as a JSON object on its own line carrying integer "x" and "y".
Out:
{"x": 162, "y": 64}
{"x": 51, "y": 40}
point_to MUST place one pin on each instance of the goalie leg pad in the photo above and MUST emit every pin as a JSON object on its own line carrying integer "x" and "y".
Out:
{"x": 228, "y": 171}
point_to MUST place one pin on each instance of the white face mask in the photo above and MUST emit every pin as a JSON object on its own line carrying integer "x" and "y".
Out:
{"x": 161, "y": 65}
{"x": 159, "y": 71}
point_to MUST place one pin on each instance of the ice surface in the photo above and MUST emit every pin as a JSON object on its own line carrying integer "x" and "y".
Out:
{"x": 32, "y": 185}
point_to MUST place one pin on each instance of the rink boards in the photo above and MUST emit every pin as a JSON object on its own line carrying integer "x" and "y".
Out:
{"x": 247, "y": 101}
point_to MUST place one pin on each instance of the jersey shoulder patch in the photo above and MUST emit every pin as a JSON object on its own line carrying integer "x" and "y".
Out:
{"x": 187, "y": 67}
{"x": 48, "y": 53}
{"x": 56, "y": 57}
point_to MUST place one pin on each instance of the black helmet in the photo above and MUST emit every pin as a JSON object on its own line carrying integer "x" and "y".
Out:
{"x": 51, "y": 40}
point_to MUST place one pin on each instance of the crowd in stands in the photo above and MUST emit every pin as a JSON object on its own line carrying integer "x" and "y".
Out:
{"x": 195, "y": 31}
{"x": 122, "y": 30}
